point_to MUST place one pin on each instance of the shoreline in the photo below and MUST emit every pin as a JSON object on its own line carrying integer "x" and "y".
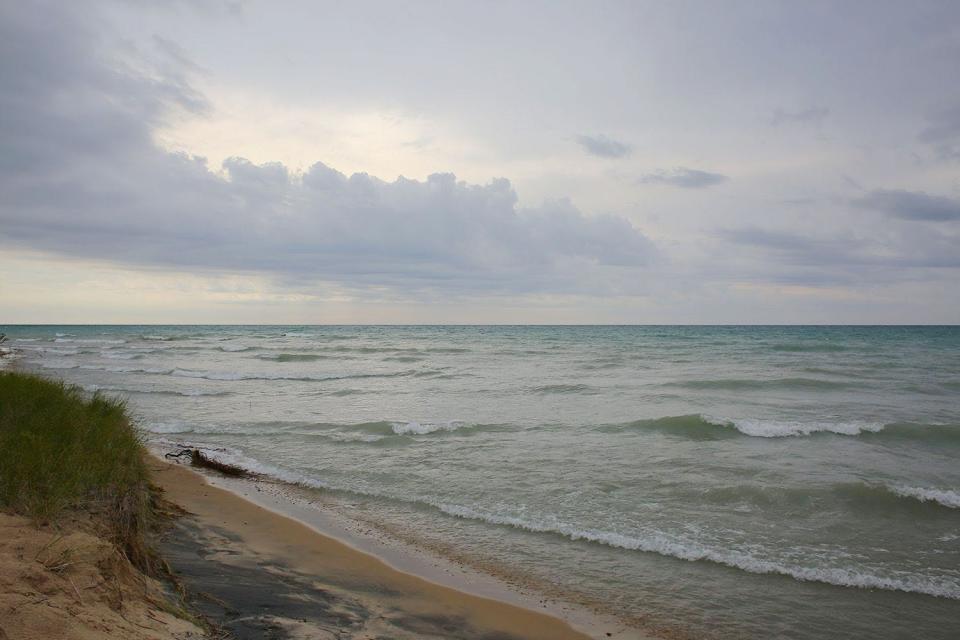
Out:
{"x": 315, "y": 544}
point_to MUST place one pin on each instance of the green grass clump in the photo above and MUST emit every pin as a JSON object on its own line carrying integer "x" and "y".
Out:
{"x": 61, "y": 450}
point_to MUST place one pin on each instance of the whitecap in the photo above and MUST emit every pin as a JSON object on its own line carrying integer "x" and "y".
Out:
{"x": 422, "y": 428}
{"x": 787, "y": 428}
{"x": 945, "y": 497}
{"x": 234, "y": 347}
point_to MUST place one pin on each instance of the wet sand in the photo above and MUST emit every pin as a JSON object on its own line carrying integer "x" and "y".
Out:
{"x": 259, "y": 574}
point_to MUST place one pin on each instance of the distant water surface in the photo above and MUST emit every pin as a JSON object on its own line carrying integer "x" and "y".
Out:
{"x": 795, "y": 482}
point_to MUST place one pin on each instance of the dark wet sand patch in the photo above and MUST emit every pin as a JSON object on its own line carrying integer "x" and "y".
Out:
{"x": 257, "y": 574}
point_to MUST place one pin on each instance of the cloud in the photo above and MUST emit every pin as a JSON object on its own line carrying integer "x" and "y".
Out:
{"x": 82, "y": 177}
{"x": 603, "y": 146}
{"x": 684, "y": 178}
{"x": 847, "y": 257}
{"x": 943, "y": 133}
{"x": 911, "y": 205}
{"x": 813, "y": 116}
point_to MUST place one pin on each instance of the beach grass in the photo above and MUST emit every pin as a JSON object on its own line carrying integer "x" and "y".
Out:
{"x": 62, "y": 450}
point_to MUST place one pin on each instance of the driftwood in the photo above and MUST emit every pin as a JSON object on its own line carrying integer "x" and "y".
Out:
{"x": 197, "y": 459}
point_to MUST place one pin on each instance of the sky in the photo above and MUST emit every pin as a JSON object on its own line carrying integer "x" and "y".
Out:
{"x": 310, "y": 162}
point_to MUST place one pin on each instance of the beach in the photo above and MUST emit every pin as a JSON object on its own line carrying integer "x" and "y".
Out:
{"x": 259, "y": 571}
{"x": 248, "y": 572}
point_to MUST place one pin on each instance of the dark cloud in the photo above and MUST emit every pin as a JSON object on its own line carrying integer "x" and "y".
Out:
{"x": 603, "y": 146}
{"x": 911, "y": 205}
{"x": 684, "y": 178}
{"x": 848, "y": 257}
{"x": 81, "y": 176}
{"x": 811, "y": 116}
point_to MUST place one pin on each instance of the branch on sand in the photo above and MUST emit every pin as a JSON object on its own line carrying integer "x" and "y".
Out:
{"x": 198, "y": 459}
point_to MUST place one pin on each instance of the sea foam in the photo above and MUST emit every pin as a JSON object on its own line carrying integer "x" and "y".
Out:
{"x": 946, "y": 497}
{"x": 788, "y": 428}
{"x": 423, "y": 428}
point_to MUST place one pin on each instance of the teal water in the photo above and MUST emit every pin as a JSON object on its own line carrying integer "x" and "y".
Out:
{"x": 749, "y": 482}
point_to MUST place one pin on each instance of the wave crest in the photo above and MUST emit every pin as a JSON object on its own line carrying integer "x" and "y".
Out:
{"x": 664, "y": 544}
{"x": 945, "y": 497}
{"x": 711, "y": 427}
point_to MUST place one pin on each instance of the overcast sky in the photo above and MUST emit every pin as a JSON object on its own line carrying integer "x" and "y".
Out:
{"x": 514, "y": 162}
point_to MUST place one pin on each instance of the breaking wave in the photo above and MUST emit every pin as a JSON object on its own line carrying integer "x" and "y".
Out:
{"x": 944, "y": 497}
{"x": 661, "y": 543}
{"x": 649, "y": 540}
{"x": 705, "y": 426}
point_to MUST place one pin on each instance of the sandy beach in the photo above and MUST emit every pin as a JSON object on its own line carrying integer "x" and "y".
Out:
{"x": 64, "y": 582}
{"x": 258, "y": 574}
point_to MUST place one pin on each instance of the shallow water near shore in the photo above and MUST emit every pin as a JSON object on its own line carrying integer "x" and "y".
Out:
{"x": 798, "y": 482}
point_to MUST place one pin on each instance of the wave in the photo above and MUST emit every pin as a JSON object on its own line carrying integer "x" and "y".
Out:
{"x": 856, "y": 496}
{"x": 349, "y": 392}
{"x": 181, "y": 427}
{"x": 708, "y": 427}
{"x": 661, "y": 543}
{"x": 230, "y": 375}
{"x": 648, "y": 540}
{"x": 781, "y": 429}
{"x": 423, "y": 428}
{"x": 123, "y": 356}
{"x": 750, "y": 384}
{"x": 234, "y": 348}
{"x": 89, "y": 341}
{"x": 399, "y": 427}
{"x": 563, "y": 388}
{"x": 813, "y": 347}
{"x": 173, "y": 337}
{"x": 233, "y": 375}
{"x": 189, "y": 393}
{"x": 600, "y": 366}
{"x": 151, "y": 370}
{"x": 944, "y": 497}
{"x": 364, "y": 431}
{"x": 54, "y": 364}
{"x": 54, "y": 351}
{"x": 295, "y": 357}
{"x": 393, "y": 350}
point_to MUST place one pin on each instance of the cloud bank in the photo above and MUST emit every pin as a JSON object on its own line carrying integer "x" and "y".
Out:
{"x": 82, "y": 177}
